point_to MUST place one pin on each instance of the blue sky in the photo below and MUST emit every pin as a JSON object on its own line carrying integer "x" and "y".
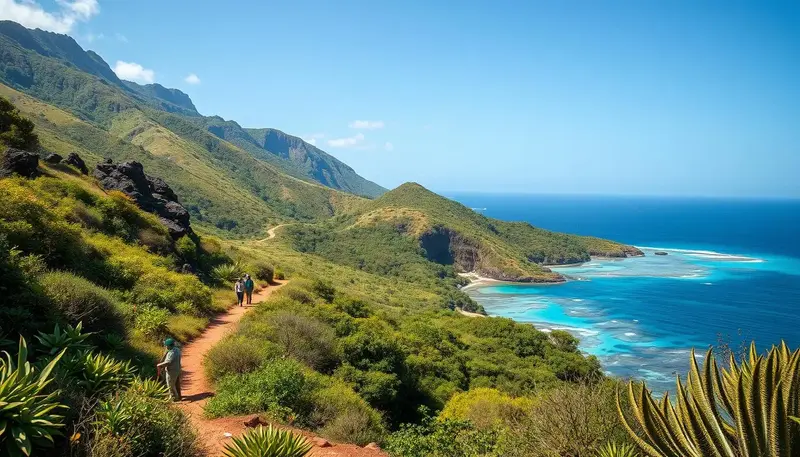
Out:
{"x": 630, "y": 97}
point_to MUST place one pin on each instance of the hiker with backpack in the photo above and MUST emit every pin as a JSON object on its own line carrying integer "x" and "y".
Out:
{"x": 249, "y": 285}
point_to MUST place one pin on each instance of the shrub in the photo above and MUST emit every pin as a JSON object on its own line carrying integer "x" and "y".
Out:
{"x": 297, "y": 294}
{"x": 170, "y": 289}
{"x": 144, "y": 426}
{"x": 186, "y": 249}
{"x": 237, "y": 355}
{"x": 100, "y": 374}
{"x": 569, "y": 420}
{"x": 155, "y": 242}
{"x": 443, "y": 438}
{"x": 184, "y": 327}
{"x": 280, "y": 275}
{"x": 268, "y": 442}
{"x": 352, "y": 306}
{"x": 28, "y": 409}
{"x": 79, "y": 300}
{"x": 305, "y": 339}
{"x": 342, "y": 415}
{"x": 151, "y": 321}
{"x": 228, "y": 272}
{"x": 264, "y": 272}
{"x": 279, "y": 387}
{"x": 324, "y": 290}
{"x": 486, "y": 408}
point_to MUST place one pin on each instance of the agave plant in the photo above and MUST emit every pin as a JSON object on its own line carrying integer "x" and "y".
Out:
{"x": 102, "y": 373}
{"x": 617, "y": 450}
{"x": 150, "y": 388}
{"x": 113, "y": 417}
{"x": 28, "y": 418}
{"x": 70, "y": 338}
{"x": 742, "y": 411}
{"x": 228, "y": 272}
{"x": 268, "y": 442}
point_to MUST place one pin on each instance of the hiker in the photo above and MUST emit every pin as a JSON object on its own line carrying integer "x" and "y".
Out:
{"x": 249, "y": 285}
{"x": 172, "y": 368}
{"x": 239, "y": 288}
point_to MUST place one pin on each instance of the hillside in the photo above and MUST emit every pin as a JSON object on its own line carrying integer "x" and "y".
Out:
{"x": 411, "y": 231}
{"x": 225, "y": 187}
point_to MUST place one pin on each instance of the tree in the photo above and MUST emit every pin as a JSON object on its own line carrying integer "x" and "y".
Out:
{"x": 16, "y": 131}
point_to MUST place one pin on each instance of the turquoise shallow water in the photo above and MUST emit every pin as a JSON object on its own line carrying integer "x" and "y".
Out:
{"x": 641, "y": 316}
{"x": 733, "y": 274}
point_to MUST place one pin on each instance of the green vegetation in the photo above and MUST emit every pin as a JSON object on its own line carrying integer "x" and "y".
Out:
{"x": 16, "y": 131}
{"x": 415, "y": 234}
{"x": 741, "y": 411}
{"x": 268, "y": 442}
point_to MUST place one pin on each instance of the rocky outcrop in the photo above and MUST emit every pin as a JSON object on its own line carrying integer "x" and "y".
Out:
{"x": 76, "y": 161}
{"x": 17, "y": 161}
{"x": 661, "y": 253}
{"x": 150, "y": 193}
{"x": 53, "y": 159}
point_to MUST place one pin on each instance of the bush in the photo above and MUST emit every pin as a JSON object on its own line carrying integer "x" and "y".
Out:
{"x": 324, "y": 290}
{"x": 169, "y": 290}
{"x": 569, "y": 420}
{"x": 237, "y": 355}
{"x": 486, "y": 408}
{"x": 443, "y": 438}
{"x": 79, "y": 300}
{"x": 186, "y": 249}
{"x": 340, "y": 414}
{"x": 151, "y": 321}
{"x": 297, "y": 294}
{"x": 305, "y": 339}
{"x": 143, "y": 426}
{"x": 264, "y": 272}
{"x": 352, "y": 306}
{"x": 279, "y": 388}
{"x": 280, "y": 275}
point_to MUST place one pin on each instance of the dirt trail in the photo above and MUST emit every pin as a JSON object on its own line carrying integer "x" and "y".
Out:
{"x": 271, "y": 232}
{"x": 196, "y": 390}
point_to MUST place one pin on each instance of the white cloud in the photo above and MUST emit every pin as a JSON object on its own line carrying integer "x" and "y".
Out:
{"x": 312, "y": 139}
{"x": 192, "y": 79}
{"x": 346, "y": 142}
{"x": 134, "y": 72}
{"x": 366, "y": 125}
{"x": 388, "y": 146}
{"x": 121, "y": 37}
{"x": 32, "y": 15}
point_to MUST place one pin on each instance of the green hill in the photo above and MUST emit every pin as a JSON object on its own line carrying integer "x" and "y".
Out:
{"x": 225, "y": 186}
{"x": 411, "y": 231}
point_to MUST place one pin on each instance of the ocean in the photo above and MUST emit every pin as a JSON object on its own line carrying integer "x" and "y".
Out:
{"x": 732, "y": 275}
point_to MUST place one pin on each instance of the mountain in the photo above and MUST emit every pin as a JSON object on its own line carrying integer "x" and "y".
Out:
{"x": 413, "y": 232}
{"x": 236, "y": 185}
{"x": 78, "y": 104}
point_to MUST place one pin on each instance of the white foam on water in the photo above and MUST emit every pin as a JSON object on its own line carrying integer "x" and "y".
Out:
{"x": 577, "y": 300}
{"x": 636, "y": 320}
{"x": 707, "y": 283}
{"x": 630, "y": 334}
{"x": 704, "y": 254}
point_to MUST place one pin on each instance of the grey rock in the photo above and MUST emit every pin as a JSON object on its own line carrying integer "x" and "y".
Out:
{"x": 17, "y": 161}
{"x": 76, "y": 161}
{"x": 53, "y": 158}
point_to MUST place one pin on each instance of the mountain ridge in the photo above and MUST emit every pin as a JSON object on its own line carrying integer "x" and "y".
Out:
{"x": 55, "y": 69}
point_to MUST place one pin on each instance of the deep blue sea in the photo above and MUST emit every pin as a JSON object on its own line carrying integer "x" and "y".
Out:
{"x": 732, "y": 275}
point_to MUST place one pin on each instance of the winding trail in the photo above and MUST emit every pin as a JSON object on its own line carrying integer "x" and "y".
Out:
{"x": 196, "y": 389}
{"x": 271, "y": 232}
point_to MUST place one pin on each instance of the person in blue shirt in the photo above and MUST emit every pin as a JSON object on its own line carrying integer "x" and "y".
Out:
{"x": 172, "y": 368}
{"x": 249, "y": 285}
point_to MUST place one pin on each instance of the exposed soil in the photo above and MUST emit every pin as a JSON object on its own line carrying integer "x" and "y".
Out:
{"x": 196, "y": 390}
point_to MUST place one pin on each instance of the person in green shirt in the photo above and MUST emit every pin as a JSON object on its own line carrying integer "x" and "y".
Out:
{"x": 172, "y": 368}
{"x": 249, "y": 285}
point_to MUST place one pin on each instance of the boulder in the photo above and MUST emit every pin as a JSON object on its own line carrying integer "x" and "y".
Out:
{"x": 53, "y": 158}
{"x": 321, "y": 442}
{"x": 17, "y": 161}
{"x": 151, "y": 194}
{"x": 76, "y": 161}
{"x": 373, "y": 446}
{"x": 254, "y": 421}
{"x": 661, "y": 253}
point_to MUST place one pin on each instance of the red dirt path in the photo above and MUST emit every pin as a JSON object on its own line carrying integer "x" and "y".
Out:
{"x": 196, "y": 390}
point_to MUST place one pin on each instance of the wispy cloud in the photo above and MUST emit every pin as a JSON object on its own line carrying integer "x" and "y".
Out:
{"x": 388, "y": 146}
{"x": 312, "y": 139}
{"x": 366, "y": 125}
{"x": 121, "y": 37}
{"x": 31, "y": 14}
{"x": 346, "y": 142}
{"x": 192, "y": 79}
{"x": 132, "y": 71}
{"x": 91, "y": 37}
